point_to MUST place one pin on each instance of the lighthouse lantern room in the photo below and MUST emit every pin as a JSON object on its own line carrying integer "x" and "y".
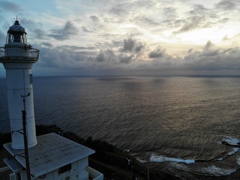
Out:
{"x": 16, "y": 33}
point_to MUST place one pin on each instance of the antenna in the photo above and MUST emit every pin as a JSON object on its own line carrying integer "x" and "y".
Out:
{"x": 16, "y": 18}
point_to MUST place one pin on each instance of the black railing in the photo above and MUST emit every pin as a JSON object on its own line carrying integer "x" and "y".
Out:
{"x": 2, "y": 52}
{"x": 19, "y": 52}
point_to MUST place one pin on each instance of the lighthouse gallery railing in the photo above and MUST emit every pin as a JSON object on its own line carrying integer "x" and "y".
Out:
{"x": 18, "y": 52}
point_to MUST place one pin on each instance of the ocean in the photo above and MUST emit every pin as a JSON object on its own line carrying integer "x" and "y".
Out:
{"x": 191, "y": 123}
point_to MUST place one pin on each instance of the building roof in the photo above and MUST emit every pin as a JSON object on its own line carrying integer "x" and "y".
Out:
{"x": 52, "y": 152}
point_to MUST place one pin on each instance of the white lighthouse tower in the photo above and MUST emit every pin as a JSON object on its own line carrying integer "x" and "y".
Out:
{"x": 18, "y": 59}
{"x": 54, "y": 157}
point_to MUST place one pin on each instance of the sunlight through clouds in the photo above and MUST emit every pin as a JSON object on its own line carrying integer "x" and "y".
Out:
{"x": 93, "y": 34}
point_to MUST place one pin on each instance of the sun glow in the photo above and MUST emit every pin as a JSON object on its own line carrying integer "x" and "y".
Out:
{"x": 201, "y": 36}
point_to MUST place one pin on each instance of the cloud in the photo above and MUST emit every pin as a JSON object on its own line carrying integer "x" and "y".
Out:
{"x": 46, "y": 44}
{"x": 10, "y": 6}
{"x": 86, "y": 29}
{"x": 77, "y": 48}
{"x": 94, "y": 18}
{"x": 226, "y": 5}
{"x": 55, "y": 57}
{"x": 235, "y": 37}
{"x": 35, "y": 28}
{"x": 157, "y": 53}
{"x": 131, "y": 45}
{"x": 106, "y": 56}
{"x": 39, "y": 33}
{"x": 213, "y": 60}
{"x": 198, "y": 10}
{"x": 74, "y": 60}
{"x": 101, "y": 56}
{"x": 170, "y": 12}
{"x": 64, "y": 33}
{"x": 131, "y": 36}
{"x": 119, "y": 10}
{"x": 190, "y": 23}
{"x": 125, "y": 59}
{"x": 208, "y": 46}
{"x": 128, "y": 45}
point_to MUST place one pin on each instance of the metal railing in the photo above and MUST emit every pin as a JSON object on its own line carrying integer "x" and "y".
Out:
{"x": 2, "y": 52}
{"x": 19, "y": 52}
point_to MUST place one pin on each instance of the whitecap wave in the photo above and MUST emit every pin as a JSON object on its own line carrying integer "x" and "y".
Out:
{"x": 141, "y": 161}
{"x": 216, "y": 171}
{"x": 156, "y": 158}
{"x": 179, "y": 166}
{"x": 231, "y": 141}
{"x": 235, "y": 150}
{"x": 238, "y": 161}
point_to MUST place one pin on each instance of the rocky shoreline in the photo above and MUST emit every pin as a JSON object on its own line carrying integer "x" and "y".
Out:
{"x": 109, "y": 160}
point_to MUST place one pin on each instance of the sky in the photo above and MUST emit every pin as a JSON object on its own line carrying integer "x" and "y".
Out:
{"x": 128, "y": 37}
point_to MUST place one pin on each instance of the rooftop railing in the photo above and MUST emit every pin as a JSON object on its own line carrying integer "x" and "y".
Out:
{"x": 18, "y": 52}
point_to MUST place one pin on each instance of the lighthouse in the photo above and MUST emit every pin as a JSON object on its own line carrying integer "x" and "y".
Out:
{"x": 18, "y": 58}
{"x": 49, "y": 156}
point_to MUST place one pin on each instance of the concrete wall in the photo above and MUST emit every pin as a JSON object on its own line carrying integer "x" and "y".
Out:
{"x": 78, "y": 171}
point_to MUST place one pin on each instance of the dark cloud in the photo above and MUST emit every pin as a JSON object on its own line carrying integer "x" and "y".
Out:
{"x": 119, "y": 10}
{"x": 125, "y": 59}
{"x": 107, "y": 55}
{"x": 101, "y": 57}
{"x": 211, "y": 60}
{"x": 39, "y": 33}
{"x": 46, "y": 44}
{"x": 131, "y": 45}
{"x": 64, "y": 33}
{"x": 128, "y": 45}
{"x": 208, "y": 45}
{"x": 110, "y": 58}
{"x": 226, "y": 5}
{"x": 94, "y": 18}
{"x": 34, "y": 27}
{"x": 56, "y": 58}
{"x": 74, "y": 48}
{"x": 157, "y": 53}
{"x": 10, "y": 6}
{"x": 198, "y": 10}
{"x": 190, "y": 23}
{"x": 139, "y": 48}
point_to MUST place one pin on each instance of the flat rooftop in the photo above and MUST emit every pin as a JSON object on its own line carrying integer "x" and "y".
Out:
{"x": 52, "y": 152}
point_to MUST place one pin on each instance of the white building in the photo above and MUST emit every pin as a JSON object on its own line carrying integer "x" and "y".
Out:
{"x": 50, "y": 156}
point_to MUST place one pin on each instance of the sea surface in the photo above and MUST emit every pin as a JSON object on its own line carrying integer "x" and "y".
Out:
{"x": 157, "y": 119}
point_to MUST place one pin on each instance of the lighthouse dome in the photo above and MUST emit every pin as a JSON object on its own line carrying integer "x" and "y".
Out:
{"x": 16, "y": 34}
{"x": 16, "y": 28}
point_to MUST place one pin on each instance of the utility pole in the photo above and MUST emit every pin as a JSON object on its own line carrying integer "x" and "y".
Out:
{"x": 25, "y": 137}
